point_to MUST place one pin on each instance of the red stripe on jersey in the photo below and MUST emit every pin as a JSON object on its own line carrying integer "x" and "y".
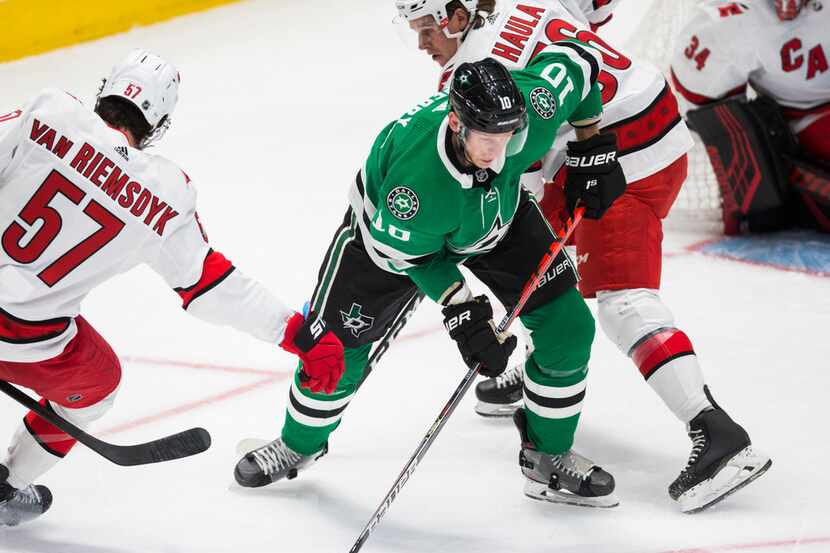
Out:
{"x": 658, "y": 348}
{"x": 18, "y": 331}
{"x": 215, "y": 269}
{"x": 647, "y": 127}
{"x": 50, "y": 437}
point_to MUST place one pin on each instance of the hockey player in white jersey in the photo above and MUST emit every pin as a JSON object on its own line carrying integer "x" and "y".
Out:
{"x": 81, "y": 201}
{"x": 780, "y": 49}
{"x": 619, "y": 255}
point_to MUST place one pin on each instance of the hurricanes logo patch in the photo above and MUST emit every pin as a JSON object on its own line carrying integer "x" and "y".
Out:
{"x": 542, "y": 101}
{"x": 403, "y": 203}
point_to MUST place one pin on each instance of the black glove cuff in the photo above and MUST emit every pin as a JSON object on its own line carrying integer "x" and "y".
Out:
{"x": 461, "y": 316}
{"x": 312, "y": 330}
{"x": 598, "y": 154}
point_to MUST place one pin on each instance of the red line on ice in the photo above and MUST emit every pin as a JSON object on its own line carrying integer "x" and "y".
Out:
{"x": 751, "y": 546}
{"x": 271, "y": 377}
{"x": 190, "y": 406}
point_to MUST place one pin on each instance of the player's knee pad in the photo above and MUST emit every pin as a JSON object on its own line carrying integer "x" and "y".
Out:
{"x": 82, "y": 417}
{"x": 562, "y": 332}
{"x": 626, "y": 316}
{"x": 643, "y": 328}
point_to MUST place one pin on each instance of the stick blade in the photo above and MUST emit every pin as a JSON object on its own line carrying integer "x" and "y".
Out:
{"x": 177, "y": 446}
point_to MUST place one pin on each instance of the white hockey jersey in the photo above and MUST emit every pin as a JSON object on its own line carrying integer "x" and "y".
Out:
{"x": 727, "y": 45}
{"x": 631, "y": 90}
{"x": 78, "y": 205}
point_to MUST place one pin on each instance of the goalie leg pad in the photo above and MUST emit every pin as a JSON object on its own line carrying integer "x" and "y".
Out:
{"x": 745, "y": 142}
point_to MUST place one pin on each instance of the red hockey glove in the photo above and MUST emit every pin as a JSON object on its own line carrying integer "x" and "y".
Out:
{"x": 318, "y": 348}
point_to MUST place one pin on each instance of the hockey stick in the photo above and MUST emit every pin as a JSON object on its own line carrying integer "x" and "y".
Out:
{"x": 465, "y": 384}
{"x": 184, "y": 444}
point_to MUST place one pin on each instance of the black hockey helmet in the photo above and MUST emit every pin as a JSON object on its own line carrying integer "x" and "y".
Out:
{"x": 486, "y": 99}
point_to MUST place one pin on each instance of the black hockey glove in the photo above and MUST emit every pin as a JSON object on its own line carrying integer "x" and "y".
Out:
{"x": 595, "y": 177}
{"x": 470, "y": 324}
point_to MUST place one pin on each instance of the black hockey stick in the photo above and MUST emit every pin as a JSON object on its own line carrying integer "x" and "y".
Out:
{"x": 395, "y": 329}
{"x": 184, "y": 444}
{"x": 462, "y": 388}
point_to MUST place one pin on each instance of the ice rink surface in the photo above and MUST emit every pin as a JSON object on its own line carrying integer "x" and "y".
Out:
{"x": 279, "y": 104}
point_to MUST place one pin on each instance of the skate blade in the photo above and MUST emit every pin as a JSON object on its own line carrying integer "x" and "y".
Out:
{"x": 541, "y": 492}
{"x": 496, "y": 410}
{"x": 739, "y": 471}
{"x": 247, "y": 445}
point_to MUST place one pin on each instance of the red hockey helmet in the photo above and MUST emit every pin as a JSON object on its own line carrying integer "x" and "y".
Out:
{"x": 789, "y": 9}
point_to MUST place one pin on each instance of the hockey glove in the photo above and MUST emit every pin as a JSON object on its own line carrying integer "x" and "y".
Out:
{"x": 318, "y": 348}
{"x": 594, "y": 178}
{"x": 470, "y": 324}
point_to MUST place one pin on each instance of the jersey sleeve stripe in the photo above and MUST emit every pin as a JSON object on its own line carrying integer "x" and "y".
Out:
{"x": 586, "y": 59}
{"x": 215, "y": 269}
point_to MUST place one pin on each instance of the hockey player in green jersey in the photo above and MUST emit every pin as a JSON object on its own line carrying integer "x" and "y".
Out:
{"x": 441, "y": 188}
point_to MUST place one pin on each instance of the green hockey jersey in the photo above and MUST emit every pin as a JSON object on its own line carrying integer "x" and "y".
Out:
{"x": 421, "y": 212}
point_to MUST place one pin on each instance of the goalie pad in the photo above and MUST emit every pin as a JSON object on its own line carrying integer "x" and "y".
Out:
{"x": 811, "y": 181}
{"x": 746, "y": 142}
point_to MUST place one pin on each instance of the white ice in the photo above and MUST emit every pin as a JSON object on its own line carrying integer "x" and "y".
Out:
{"x": 279, "y": 104}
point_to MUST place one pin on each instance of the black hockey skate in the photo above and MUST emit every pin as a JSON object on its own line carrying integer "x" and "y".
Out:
{"x": 567, "y": 478}
{"x": 271, "y": 462}
{"x": 501, "y": 396}
{"x": 721, "y": 461}
{"x": 21, "y": 505}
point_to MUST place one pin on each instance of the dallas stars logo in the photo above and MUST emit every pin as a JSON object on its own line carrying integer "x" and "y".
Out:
{"x": 355, "y": 321}
{"x": 542, "y": 101}
{"x": 403, "y": 203}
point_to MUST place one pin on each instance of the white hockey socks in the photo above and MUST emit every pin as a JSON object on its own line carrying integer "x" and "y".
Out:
{"x": 30, "y": 456}
{"x": 643, "y": 328}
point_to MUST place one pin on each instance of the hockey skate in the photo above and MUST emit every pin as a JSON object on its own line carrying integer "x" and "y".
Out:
{"x": 271, "y": 462}
{"x": 501, "y": 396}
{"x": 21, "y": 505}
{"x": 721, "y": 461}
{"x": 567, "y": 478}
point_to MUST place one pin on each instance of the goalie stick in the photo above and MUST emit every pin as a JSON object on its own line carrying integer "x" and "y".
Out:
{"x": 183, "y": 444}
{"x": 465, "y": 384}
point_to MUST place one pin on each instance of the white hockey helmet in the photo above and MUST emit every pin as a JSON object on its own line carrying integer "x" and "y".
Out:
{"x": 789, "y": 9}
{"x": 410, "y": 10}
{"x": 148, "y": 82}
